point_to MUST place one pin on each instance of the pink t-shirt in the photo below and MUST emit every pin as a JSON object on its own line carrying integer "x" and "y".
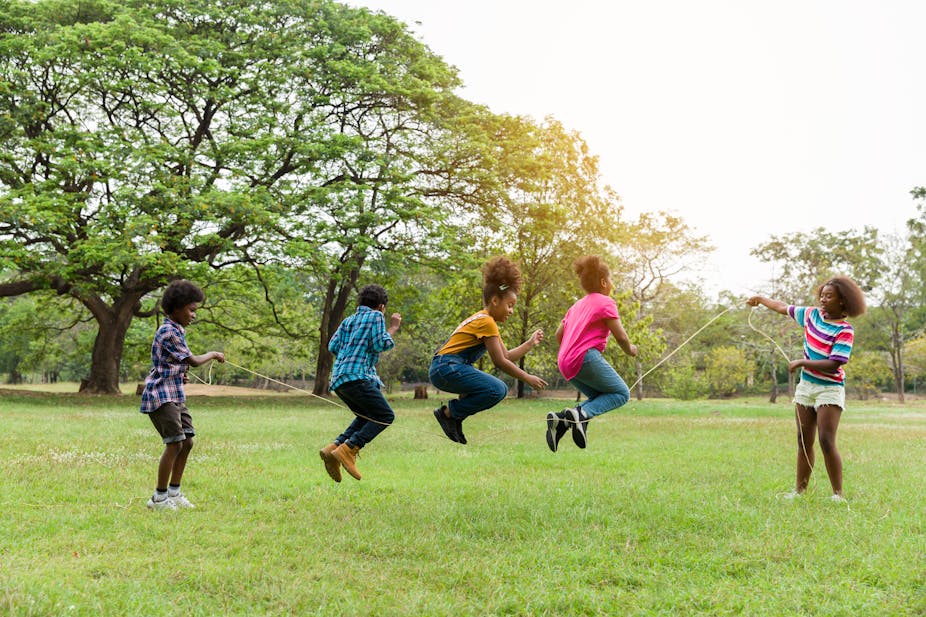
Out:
{"x": 584, "y": 328}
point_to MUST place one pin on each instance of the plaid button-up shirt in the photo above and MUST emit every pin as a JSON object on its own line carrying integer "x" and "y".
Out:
{"x": 164, "y": 383}
{"x": 357, "y": 343}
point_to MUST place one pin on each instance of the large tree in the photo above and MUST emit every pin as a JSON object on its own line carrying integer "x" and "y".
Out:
{"x": 412, "y": 161}
{"x": 898, "y": 316}
{"x": 144, "y": 141}
{"x": 897, "y": 295}
{"x": 805, "y": 259}
{"x": 916, "y": 262}
{"x": 131, "y": 134}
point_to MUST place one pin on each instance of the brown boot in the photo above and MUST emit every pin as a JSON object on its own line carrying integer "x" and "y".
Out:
{"x": 347, "y": 456}
{"x": 332, "y": 466}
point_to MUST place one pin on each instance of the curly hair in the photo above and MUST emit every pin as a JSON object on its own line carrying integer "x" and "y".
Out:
{"x": 591, "y": 270}
{"x": 851, "y": 295}
{"x": 500, "y": 275}
{"x": 372, "y": 296}
{"x": 180, "y": 293}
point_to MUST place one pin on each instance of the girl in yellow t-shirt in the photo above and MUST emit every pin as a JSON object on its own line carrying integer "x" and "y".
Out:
{"x": 452, "y": 367}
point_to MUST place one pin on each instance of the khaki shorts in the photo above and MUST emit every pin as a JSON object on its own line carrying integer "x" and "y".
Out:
{"x": 815, "y": 395}
{"x": 173, "y": 422}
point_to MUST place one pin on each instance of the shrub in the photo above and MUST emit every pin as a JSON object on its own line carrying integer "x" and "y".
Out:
{"x": 727, "y": 369}
{"x": 685, "y": 383}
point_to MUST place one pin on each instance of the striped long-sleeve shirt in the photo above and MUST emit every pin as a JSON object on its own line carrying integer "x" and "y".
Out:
{"x": 823, "y": 340}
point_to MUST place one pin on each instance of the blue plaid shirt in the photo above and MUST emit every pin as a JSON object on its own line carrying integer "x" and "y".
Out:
{"x": 164, "y": 383}
{"x": 357, "y": 343}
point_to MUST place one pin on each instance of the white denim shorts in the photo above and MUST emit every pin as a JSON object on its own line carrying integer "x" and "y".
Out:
{"x": 814, "y": 395}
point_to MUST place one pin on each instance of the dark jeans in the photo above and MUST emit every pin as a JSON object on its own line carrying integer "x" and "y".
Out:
{"x": 478, "y": 391}
{"x": 364, "y": 398}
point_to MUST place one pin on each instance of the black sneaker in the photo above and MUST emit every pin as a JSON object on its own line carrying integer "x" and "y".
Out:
{"x": 447, "y": 424}
{"x": 458, "y": 425}
{"x": 579, "y": 426}
{"x": 556, "y": 428}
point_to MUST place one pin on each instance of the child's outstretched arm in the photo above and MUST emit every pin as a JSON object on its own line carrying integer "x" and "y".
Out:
{"x": 620, "y": 335}
{"x": 206, "y": 357}
{"x": 775, "y": 305}
{"x": 499, "y": 356}
{"x": 521, "y": 350}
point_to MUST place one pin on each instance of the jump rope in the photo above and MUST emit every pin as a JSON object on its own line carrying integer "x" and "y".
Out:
{"x": 208, "y": 382}
{"x": 665, "y": 359}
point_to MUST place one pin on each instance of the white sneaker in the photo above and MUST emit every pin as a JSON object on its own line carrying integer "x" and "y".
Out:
{"x": 792, "y": 494}
{"x": 163, "y": 504}
{"x": 838, "y": 499}
{"x": 180, "y": 501}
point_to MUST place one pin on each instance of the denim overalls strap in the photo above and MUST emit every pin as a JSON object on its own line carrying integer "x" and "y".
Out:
{"x": 470, "y": 355}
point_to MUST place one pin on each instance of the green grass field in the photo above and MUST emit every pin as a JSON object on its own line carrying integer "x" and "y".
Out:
{"x": 674, "y": 509}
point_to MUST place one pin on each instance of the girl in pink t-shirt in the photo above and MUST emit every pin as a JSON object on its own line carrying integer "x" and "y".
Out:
{"x": 582, "y": 337}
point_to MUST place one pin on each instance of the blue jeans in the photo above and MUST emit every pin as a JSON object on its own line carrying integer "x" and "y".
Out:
{"x": 363, "y": 396}
{"x": 601, "y": 384}
{"x": 478, "y": 391}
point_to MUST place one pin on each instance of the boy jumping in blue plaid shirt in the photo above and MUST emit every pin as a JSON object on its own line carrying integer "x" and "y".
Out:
{"x": 357, "y": 343}
{"x": 163, "y": 398}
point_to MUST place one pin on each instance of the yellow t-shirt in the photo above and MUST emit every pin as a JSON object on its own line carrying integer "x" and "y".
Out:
{"x": 470, "y": 333}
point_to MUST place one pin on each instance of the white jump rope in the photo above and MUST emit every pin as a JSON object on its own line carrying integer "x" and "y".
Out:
{"x": 637, "y": 382}
{"x": 208, "y": 380}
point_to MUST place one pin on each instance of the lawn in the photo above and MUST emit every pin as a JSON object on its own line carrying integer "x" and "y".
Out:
{"x": 674, "y": 509}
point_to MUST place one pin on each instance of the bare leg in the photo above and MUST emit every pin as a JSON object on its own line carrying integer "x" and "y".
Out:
{"x": 176, "y": 473}
{"x": 807, "y": 427}
{"x": 827, "y": 424}
{"x": 166, "y": 464}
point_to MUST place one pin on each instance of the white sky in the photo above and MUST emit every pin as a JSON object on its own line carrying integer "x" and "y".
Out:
{"x": 745, "y": 118}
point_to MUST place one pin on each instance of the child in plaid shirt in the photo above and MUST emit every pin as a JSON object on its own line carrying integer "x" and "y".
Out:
{"x": 163, "y": 398}
{"x": 357, "y": 343}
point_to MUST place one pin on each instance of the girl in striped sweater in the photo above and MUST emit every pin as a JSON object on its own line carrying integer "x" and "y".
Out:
{"x": 820, "y": 396}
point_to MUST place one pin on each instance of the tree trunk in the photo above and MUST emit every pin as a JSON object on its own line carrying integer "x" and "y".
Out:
{"x": 901, "y": 384}
{"x": 113, "y": 323}
{"x": 774, "y": 375}
{"x": 333, "y": 313}
{"x": 325, "y": 361}
{"x": 639, "y": 367}
{"x": 897, "y": 361}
